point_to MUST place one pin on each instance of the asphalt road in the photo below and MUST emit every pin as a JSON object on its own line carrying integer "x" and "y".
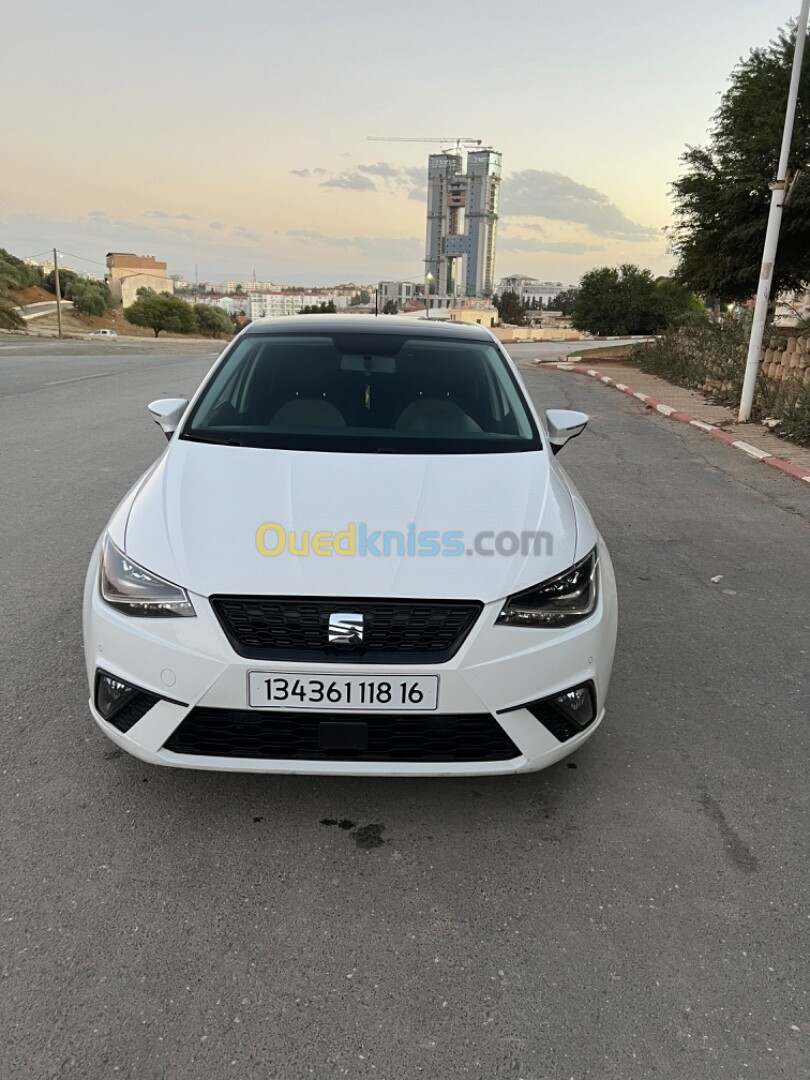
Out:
{"x": 637, "y": 912}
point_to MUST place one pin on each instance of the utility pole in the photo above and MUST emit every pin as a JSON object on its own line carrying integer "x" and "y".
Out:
{"x": 780, "y": 190}
{"x": 58, "y": 292}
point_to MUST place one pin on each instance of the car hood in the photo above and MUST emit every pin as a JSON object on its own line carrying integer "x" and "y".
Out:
{"x": 194, "y": 520}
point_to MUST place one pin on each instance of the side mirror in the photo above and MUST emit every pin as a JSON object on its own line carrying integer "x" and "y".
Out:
{"x": 167, "y": 413}
{"x": 564, "y": 424}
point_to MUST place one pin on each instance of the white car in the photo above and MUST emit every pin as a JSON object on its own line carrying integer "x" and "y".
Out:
{"x": 104, "y": 333}
{"x": 358, "y": 555}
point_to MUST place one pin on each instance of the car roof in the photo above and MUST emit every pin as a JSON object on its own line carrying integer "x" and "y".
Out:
{"x": 366, "y": 324}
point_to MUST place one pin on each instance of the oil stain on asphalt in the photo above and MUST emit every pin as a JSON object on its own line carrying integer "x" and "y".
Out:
{"x": 737, "y": 850}
{"x": 366, "y": 837}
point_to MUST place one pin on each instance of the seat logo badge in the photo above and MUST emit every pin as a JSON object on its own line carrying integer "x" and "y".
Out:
{"x": 345, "y": 628}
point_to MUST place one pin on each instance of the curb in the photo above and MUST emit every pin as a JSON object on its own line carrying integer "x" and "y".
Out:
{"x": 674, "y": 414}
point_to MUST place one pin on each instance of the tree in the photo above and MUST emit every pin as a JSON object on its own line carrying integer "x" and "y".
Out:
{"x": 24, "y": 273}
{"x": 722, "y": 199}
{"x": 675, "y": 301}
{"x": 90, "y": 297}
{"x": 10, "y": 318}
{"x": 510, "y": 309}
{"x": 67, "y": 278}
{"x": 390, "y": 307}
{"x": 628, "y": 300}
{"x": 212, "y": 321}
{"x": 563, "y": 301}
{"x": 159, "y": 312}
{"x": 319, "y": 309}
{"x": 363, "y": 297}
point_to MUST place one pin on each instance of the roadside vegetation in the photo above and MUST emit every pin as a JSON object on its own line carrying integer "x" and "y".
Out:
{"x": 15, "y": 277}
{"x": 709, "y": 355}
{"x": 162, "y": 312}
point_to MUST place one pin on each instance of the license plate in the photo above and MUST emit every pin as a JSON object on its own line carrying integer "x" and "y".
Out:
{"x": 359, "y": 693}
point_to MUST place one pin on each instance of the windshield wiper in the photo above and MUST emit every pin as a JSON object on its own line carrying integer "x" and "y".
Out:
{"x": 199, "y": 437}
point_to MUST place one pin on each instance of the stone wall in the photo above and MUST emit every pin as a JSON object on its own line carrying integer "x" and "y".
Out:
{"x": 786, "y": 359}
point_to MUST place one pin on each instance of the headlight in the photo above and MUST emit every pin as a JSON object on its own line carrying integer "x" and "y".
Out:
{"x": 560, "y": 601}
{"x": 135, "y": 591}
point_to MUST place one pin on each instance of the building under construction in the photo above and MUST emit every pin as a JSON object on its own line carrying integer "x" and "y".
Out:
{"x": 462, "y": 222}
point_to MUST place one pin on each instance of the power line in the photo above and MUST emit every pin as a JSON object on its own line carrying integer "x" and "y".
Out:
{"x": 82, "y": 258}
{"x": 37, "y": 256}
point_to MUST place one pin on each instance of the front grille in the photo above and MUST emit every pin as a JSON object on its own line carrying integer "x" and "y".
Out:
{"x": 297, "y": 628}
{"x": 240, "y": 733}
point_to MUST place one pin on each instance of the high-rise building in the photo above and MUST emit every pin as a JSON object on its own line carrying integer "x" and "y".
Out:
{"x": 462, "y": 221}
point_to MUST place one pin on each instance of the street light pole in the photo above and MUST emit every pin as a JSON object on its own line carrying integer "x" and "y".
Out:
{"x": 779, "y": 191}
{"x": 428, "y": 279}
{"x": 58, "y": 292}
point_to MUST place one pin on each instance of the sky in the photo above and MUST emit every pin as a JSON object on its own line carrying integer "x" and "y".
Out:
{"x": 233, "y": 138}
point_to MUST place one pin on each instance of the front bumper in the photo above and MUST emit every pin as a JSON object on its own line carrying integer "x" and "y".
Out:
{"x": 190, "y": 665}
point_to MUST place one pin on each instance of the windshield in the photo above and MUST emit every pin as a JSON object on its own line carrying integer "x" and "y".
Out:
{"x": 366, "y": 393}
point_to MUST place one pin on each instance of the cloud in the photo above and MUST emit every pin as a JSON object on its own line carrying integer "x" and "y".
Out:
{"x": 168, "y": 217}
{"x": 537, "y": 193}
{"x": 350, "y": 181}
{"x": 92, "y": 235}
{"x": 238, "y": 232}
{"x": 559, "y": 247}
{"x": 241, "y": 233}
{"x": 376, "y": 176}
{"x": 391, "y": 248}
{"x": 382, "y": 168}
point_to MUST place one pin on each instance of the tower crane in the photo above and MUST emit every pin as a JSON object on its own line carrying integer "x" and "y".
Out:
{"x": 459, "y": 142}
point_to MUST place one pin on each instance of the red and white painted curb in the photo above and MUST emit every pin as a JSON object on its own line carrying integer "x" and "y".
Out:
{"x": 674, "y": 414}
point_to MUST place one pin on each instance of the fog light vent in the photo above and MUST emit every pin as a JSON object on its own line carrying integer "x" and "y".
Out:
{"x": 566, "y": 714}
{"x": 119, "y": 703}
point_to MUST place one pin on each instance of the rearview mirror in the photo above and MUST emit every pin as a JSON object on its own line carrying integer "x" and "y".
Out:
{"x": 564, "y": 424}
{"x": 167, "y": 413}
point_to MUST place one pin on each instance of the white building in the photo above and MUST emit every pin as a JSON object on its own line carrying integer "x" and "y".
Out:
{"x": 529, "y": 289}
{"x": 397, "y": 292}
{"x": 275, "y": 304}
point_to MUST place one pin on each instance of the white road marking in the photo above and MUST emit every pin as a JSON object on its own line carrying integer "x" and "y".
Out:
{"x": 79, "y": 378}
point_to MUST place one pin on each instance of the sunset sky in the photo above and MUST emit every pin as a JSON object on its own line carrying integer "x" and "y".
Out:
{"x": 233, "y": 137}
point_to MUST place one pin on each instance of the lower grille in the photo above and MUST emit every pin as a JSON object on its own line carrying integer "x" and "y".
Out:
{"x": 297, "y": 628}
{"x": 299, "y": 736}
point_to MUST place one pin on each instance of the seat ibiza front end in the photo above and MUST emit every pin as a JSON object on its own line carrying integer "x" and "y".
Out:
{"x": 358, "y": 554}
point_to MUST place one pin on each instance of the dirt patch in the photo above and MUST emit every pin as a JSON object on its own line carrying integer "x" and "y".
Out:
{"x": 34, "y": 294}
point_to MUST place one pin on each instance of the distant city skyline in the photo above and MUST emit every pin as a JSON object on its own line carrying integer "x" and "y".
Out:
{"x": 244, "y": 151}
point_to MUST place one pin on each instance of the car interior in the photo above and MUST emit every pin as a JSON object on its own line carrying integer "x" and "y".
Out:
{"x": 383, "y": 384}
